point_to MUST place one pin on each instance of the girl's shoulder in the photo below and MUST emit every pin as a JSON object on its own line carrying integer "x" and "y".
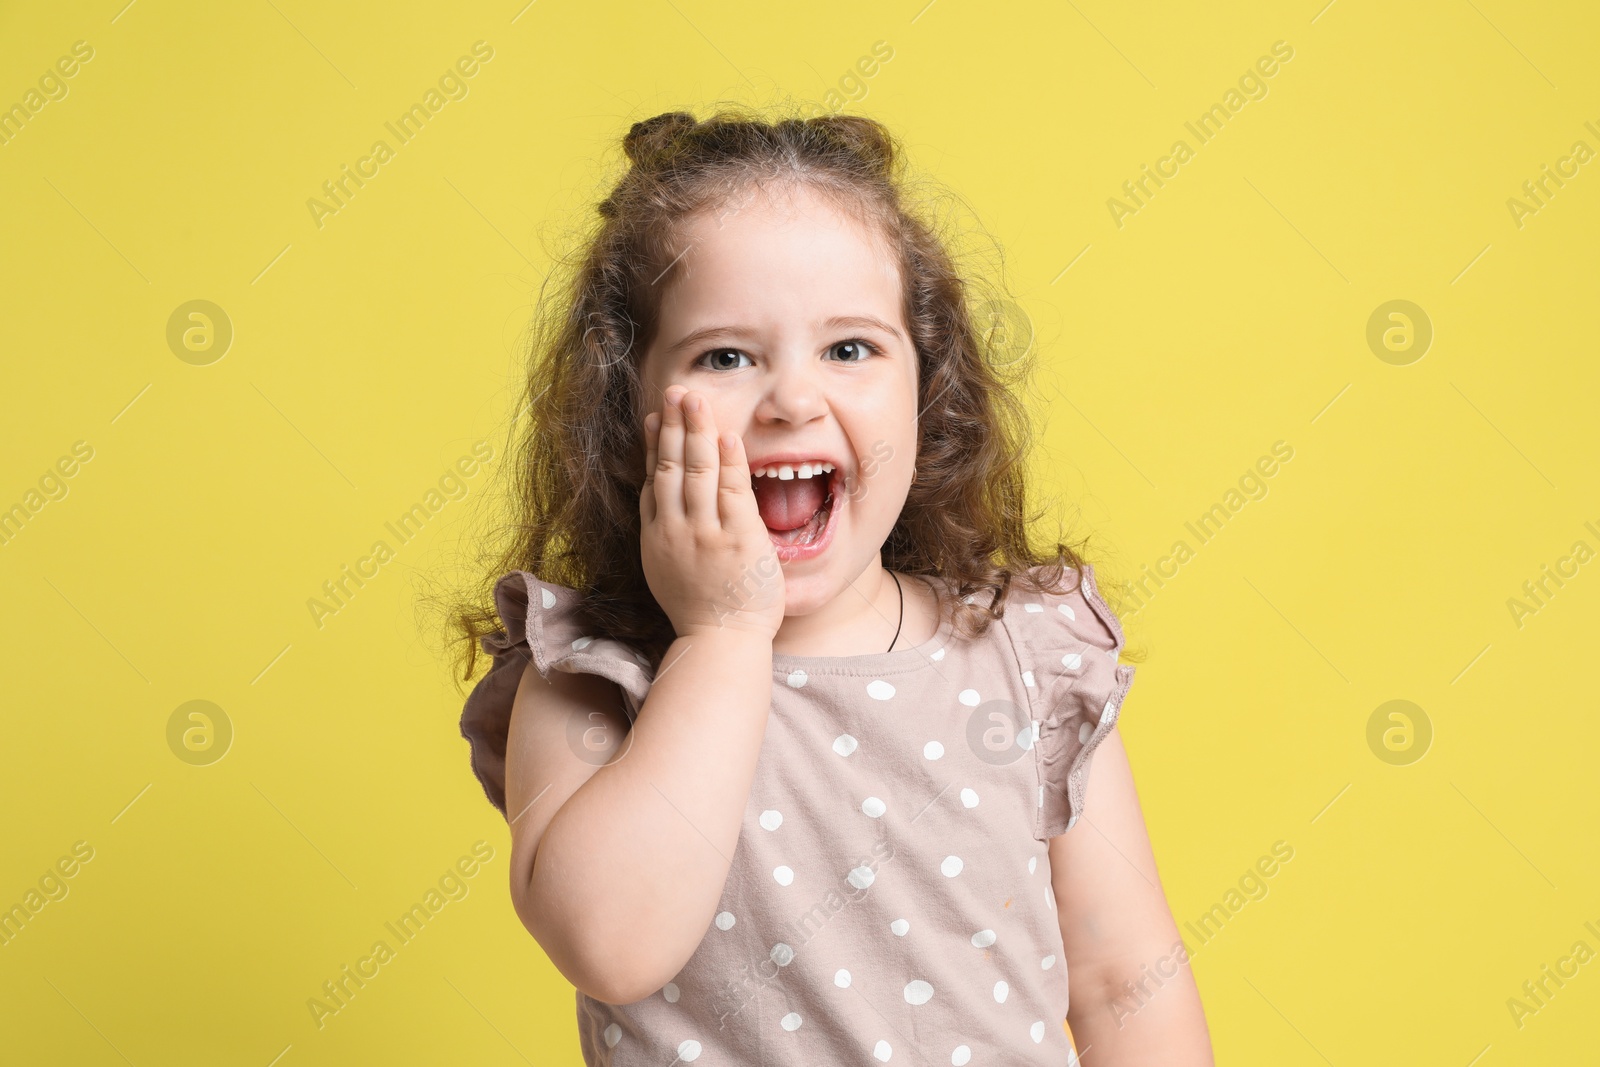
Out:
{"x": 1066, "y": 646}
{"x": 539, "y": 624}
{"x": 1078, "y": 613}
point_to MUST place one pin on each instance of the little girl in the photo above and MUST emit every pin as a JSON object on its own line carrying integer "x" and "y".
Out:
{"x": 791, "y": 725}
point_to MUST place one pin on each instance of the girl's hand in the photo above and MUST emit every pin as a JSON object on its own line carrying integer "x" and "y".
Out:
{"x": 707, "y": 556}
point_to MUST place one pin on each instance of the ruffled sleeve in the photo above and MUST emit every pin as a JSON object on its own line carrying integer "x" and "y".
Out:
{"x": 1067, "y": 645}
{"x": 539, "y": 623}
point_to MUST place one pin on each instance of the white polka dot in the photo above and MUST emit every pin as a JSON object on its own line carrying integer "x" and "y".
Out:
{"x": 969, "y": 799}
{"x": 861, "y": 877}
{"x": 899, "y": 927}
{"x": 961, "y": 1056}
{"x": 1027, "y": 737}
{"x": 689, "y": 1051}
{"x": 1000, "y": 992}
{"x": 1050, "y": 898}
{"x": 582, "y": 643}
{"x": 1084, "y": 731}
{"x": 878, "y": 689}
{"x": 781, "y": 954}
{"x": 983, "y": 939}
{"x": 969, "y": 697}
{"x": 1071, "y": 821}
{"x": 725, "y": 920}
{"x": 844, "y": 744}
{"x": 1066, "y": 609}
{"x": 1036, "y": 1031}
{"x": 1033, "y": 864}
{"x": 932, "y": 750}
{"x": 939, "y": 655}
{"x": 1105, "y": 713}
{"x": 796, "y": 679}
{"x": 874, "y": 807}
{"x": 918, "y": 992}
{"x": 951, "y": 866}
{"x": 1027, "y": 680}
{"x": 1072, "y": 661}
{"x": 790, "y": 1022}
{"x": 613, "y": 1033}
{"x": 669, "y": 993}
{"x": 783, "y": 875}
{"x": 1033, "y": 609}
{"x": 882, "y": 1051}
{"x": 771, "y": 820}
{"x": 546, "y": 597}
{"x": 841, "y": 978}
{"x": 1048, "y": 962}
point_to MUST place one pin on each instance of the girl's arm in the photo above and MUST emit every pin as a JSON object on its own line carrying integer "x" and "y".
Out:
{"x": 1131, "y": 996}
{"x": 617, "y": 870}
{"x": 620, "y": 883}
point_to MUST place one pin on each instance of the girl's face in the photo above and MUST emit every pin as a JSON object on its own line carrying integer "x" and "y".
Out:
{"x": 787, "y": 319}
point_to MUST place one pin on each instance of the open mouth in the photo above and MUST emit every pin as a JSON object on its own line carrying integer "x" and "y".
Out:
{"x": 797, "y": 509}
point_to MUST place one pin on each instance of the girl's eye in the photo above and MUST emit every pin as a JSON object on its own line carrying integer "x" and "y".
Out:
{"x": 861, "y": 349}
{"x": 715, "y": 355}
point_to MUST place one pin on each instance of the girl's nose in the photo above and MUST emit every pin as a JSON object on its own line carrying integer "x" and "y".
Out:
{"x": 791, "y": 394}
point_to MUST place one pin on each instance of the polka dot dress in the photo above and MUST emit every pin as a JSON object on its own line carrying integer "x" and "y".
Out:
{"x": 889, "y": 899}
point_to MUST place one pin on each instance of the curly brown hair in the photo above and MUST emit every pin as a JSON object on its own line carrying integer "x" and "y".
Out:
{"x": 578, "y": 464}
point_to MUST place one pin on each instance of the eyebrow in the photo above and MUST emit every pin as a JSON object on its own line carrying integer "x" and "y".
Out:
{"x": 838, "y": 322}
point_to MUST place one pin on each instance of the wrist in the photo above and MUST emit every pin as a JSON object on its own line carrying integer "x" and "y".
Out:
{"x": 746, "y": 639}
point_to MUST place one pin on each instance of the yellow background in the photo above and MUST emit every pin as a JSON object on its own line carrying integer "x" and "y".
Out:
{"x": 369, "y": 354}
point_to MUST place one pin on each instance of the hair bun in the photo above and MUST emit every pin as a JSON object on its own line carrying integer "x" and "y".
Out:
{"x": 649, "y": 138}
{"x": 865, "y": 139}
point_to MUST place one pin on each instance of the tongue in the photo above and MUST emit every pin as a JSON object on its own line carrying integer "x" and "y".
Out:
{"x": 788, "y": 505}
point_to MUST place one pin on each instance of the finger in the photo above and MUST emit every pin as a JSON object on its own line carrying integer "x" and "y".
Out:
{"x": 701, "y": 462}
{"x": 735, "y": 497}
{"x": 669, "y": 458}
{"x": 647, "y": 493}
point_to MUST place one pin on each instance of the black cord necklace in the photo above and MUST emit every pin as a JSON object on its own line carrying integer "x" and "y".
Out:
{"x": 897, "y": 585}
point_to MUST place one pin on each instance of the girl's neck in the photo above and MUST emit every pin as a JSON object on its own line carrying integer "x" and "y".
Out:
{"x": 863, "y": 618}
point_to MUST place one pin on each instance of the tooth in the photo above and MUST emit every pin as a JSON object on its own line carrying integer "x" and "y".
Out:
{"x": 806, "y": 470}
{"x": 786, "y": 472}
